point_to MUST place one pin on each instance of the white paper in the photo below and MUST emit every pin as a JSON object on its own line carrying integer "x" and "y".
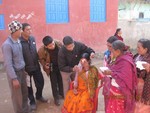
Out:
{"x": 103, "y": 68}
{"x": 114, "y": 83}
{"x": 139, "y": 64}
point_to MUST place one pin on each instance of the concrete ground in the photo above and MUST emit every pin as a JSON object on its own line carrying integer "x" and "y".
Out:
{"x": 49, "y": 107}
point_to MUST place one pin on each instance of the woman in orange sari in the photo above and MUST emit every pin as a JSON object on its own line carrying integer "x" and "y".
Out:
{"x": 80, "y": 98}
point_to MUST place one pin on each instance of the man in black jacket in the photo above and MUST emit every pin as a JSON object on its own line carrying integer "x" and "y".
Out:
{"x": 32, "y": 66}
{"x": 68, "y": 59}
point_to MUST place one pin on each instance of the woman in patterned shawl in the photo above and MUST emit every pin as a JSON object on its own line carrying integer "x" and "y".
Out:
{"x": 80, "y": 98}
{"x": 143, "y": 49}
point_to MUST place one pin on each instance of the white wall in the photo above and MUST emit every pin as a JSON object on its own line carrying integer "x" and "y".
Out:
{"x": 133, "y": 31}
{"x": 134, "y": 28}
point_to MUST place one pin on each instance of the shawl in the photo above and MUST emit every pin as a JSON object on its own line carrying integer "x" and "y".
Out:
{"x": 124, "y": 72}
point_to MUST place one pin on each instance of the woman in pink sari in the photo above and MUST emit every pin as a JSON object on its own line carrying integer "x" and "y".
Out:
{"x": 123, "y": 81}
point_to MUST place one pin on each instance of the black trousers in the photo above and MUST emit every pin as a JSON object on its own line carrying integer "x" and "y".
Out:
{"x": 56, "y": 83}
{"x": 39, "y": 84}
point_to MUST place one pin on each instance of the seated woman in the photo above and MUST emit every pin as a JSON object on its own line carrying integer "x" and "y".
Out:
{"x": 80, "y": 98}
{"x": 143, "y": 95}
{"x": 123, "y": 82}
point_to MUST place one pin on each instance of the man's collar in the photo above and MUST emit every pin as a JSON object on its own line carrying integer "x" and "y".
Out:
{"x": 14, "y": 41}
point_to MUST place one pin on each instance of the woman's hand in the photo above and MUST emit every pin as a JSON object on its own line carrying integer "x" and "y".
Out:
{"x": 75, "y": 91}
{"x": 92, "y": 55}
{"x": 146, "y": 66}
{"x": 107, "y": 72}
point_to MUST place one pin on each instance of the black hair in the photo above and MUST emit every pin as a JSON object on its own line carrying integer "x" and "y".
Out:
{"x": 117, "y": 30}
{"x": 86, "y": 56}
{"x": 118, "y": 45}
{"x": 67, "y": 40}
{"x": 145, "y": 44}
{"x": 24, "y": 25}
{"x": 47, "y": 40}
{"x": 112, "y": 39}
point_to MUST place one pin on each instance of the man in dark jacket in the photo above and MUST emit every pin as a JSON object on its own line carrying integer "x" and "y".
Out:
{"x": 48, "y": 55}
{"x": 32, "y": 66}
{"x": 68, "y": 59}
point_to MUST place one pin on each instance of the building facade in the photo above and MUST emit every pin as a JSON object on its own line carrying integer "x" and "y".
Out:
{"x": 88, "y": 21}
{"x": 134, "y": 19}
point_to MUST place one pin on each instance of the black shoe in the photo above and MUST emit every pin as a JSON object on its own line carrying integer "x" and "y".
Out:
{"x": 57, "y": 103}
{"x": 33, "y": 106}
{"x": 42, "y": 100}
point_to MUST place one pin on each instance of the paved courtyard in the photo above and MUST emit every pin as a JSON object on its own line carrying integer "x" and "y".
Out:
{"x": 49, "y": 107}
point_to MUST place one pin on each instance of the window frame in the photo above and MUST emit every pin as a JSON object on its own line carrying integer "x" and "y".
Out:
{"x": 59, "y": 12}
{"x": 96, "y": 11}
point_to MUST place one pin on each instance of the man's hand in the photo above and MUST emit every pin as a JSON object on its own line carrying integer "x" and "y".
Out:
{"x": 75, "y": 68}
{"x": 16, "y": 83}
{"x": 75, "y": 91}
{"x": 46, "y": 66}
{"x": 92, "y": 55}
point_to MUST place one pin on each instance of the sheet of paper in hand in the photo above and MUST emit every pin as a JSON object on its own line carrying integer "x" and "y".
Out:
{"x": 139, "y": 65}
{"x": 103, "y": 68}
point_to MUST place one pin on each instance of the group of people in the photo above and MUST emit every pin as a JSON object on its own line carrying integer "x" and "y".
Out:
{"x": 70, "y": 62}
{"x": 21, "y": 61}
{"x": 126, "y": 85}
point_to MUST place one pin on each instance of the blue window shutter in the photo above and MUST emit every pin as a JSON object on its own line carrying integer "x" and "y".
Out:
{"x": 97, "y": 10}
{"x": 2, "y": 24}
{"x": 0, "y": 1}
{"x": 57, "y": 11}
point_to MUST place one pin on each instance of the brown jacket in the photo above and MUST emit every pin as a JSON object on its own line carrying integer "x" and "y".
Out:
{"x": 44, "y": 56}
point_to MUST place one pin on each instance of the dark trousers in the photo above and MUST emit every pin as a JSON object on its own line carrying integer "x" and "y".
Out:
{"x": 39, "y": 84}
{"x": 56, "y": 83}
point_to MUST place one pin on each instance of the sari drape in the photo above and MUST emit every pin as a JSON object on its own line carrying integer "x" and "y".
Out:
{"x": 124, "y": 73}
{"x": 83, "y": 101}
